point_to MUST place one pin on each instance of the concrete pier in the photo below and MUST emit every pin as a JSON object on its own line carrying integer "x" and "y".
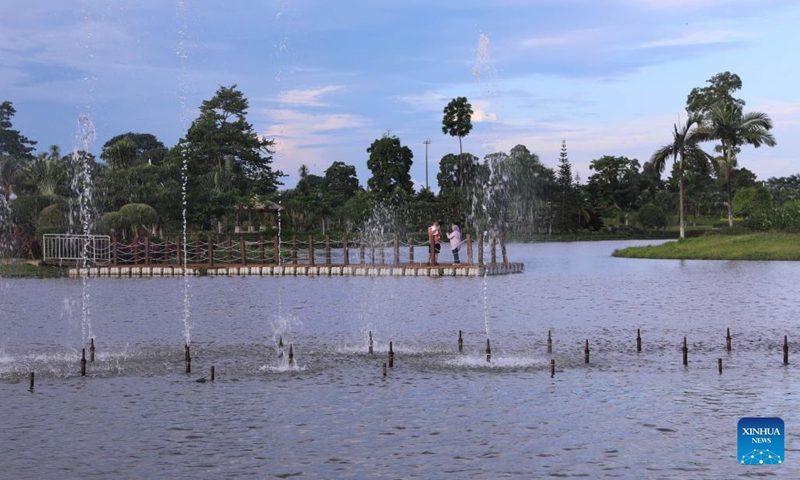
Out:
{"x": 402, "y": 270}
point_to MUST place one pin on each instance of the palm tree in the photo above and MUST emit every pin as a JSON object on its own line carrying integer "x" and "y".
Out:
{"x": 457, "y": 122}
{"x": 684, "y": 148}
{"x": 733, "y": 129}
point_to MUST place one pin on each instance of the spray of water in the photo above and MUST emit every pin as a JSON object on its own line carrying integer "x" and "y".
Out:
{"x": 181, "y": 52}
{"x": 6, "y": 235}
{"x": 82, "y": 212}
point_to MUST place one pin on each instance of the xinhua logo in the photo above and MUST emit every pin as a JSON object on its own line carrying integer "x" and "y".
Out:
{"x": 760, "y": 441}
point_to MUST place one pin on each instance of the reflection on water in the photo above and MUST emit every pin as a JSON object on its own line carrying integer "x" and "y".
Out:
{"x": 437, "y": 413}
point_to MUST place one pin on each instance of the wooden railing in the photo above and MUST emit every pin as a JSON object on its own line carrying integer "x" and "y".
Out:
{"x": 239, "y": 251}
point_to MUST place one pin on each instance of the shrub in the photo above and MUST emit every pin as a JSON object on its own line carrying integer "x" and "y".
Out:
{"x": 138, "y": 217}
{"x": 652, "y": 217}
{"x": 748, "y": 201}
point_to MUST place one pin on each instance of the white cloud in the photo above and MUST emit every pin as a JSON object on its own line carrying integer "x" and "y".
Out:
{"x": 577, "y": 37}
{"x": 480, "y": 113}
{"x": 426, "y": 101}
{"x": 681, "y": 4}
{"x": 308, "y": 98}
{"x": 310, "y": 139}
{"x": 698, "y": 38}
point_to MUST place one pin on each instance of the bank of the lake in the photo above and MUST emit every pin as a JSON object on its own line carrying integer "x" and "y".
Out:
{"x": 23, "y": 269}
{"x": 755, "y": 246}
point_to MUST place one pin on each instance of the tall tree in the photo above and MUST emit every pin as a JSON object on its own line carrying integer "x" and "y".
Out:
{"x": 221, "y": 141}
{"x": 733, "y": 129}
{"x": 457, "y": 122}
{"x": 390, "y": 164}
{"x": 15, "y": 151}
{"x": 136, "y": 172}
{"x": 684, "y": 147}
{"x": 616, "y": 183}
{"x": 12, "y": 142}
{"x": 565, "y": 193}
{"x": 719, "y": 91}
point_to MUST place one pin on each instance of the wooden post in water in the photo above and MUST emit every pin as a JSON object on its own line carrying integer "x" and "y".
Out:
{"x": 391, "y": 356}
{"x": 210, "y": 251}
{"x": 586, "y": 351}
{"x": 480, "y": 249}
{"x": 188, "y": 358}
{"x": 31, "y": 378}
{"x": 114, "y": 239}
{"x": 311, "y": 249}
{"x": 785, "y": 350}
{"x": 719, "y": 362}
{"x": 370, "y": 342}
{"x": 638, "y": 339}
{"x": 410, "y": 250}
{"x": 549, "y": 342}
{"x": 261, "y": 258}
{"x": 147, "y": 250}
{"x": 362, "y": 255}
{"x": 91, "y": 350}
{"x": 685, "y": 352}
{"x": 294, "y": 249}
{"x": 460, "y": 342}
{"x": 213, "y": 373}
{"x": 493, "y": 241}
{"x": 280, "y": 341}
{"x": 277, "y": 250}
{"x": 346, "y": 251}
{"x": 396, "y": 250}
{"x": 488, "y": 351}
{"x": 728, "y": 340}
{"x": 291, "y": 355}
{"x": 384, "y": 369}
{"x": 83, "y": 362}
{"x": 327, "y": 249}
{"x": 552, "y": 367}
{"x": 242, "y": 250}
{"x": 503, "y": 249}
{"x": 229, "y": 248}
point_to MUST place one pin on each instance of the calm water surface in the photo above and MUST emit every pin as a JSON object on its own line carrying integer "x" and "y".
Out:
{"x": 437, "y": 413}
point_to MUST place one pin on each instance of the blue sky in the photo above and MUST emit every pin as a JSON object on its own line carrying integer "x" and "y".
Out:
{"x": 325, "y": 79}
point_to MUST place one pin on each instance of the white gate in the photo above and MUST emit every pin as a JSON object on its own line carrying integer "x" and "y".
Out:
{"x": 80, "y": 249}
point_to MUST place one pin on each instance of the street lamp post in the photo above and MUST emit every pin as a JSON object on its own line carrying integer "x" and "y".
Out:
{"x": 426, "y": 142}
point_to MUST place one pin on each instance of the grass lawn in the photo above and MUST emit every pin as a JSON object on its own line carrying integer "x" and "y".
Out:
{"x": 755, "y": 246}
{"x": 26, "y": 270}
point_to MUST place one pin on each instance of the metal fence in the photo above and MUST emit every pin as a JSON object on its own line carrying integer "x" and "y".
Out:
{"x": 77, "y": 249}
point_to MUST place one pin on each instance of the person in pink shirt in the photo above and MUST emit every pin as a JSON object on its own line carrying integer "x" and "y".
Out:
{"x": 455, "y": 243}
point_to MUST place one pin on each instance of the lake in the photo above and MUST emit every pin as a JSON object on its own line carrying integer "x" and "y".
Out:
{"x": 437, "y": 413}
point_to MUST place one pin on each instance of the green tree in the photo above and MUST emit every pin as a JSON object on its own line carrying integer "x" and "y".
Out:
{"x": 748, "y": 201}
{"x": 341, "y": 180}
{"x": 719, "y": 91}
{"x": 136, "y": 172}
{"x": 390, "y": 164}
{"x": 565, "y": 195}
{"x": 652, "y": 217}
{"x": 784, "y": 189}
{"x": 457, "y": 122}
{"x": 221, "y": 141}
{"x": 15, "y": 151}
{"x": 733, "y": 128}
{"x": 340, "y": 184}
{"x": 616, "y": 183}
{"x": 684, "y": 147}
{"x": 12, "y": 142}
{"x": 138, "y": 218}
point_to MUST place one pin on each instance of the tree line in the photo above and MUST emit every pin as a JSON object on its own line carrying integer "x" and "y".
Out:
{"x": 219, "y": 178}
